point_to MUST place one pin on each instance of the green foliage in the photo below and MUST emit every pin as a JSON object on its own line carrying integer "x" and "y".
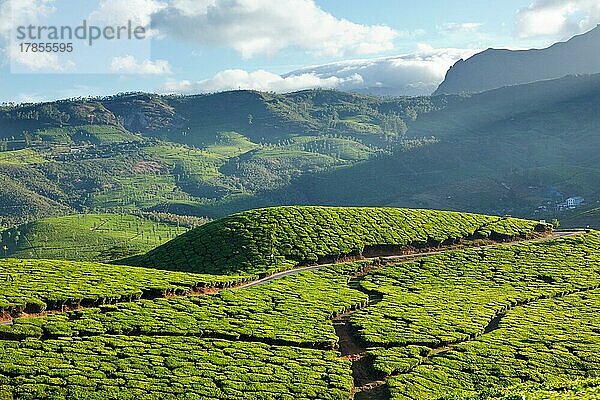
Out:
{"x": 585, "y": 389}
{"x": 495, "y": 153}
{"x": 296, "y": 311}
{"x": 476, "y": 283}
{"x": 91, "y": 237}
{"x": 19, "y": 204}
{"x": 38, "y": 285}
{"x": 271, "y": 239}
{"x": 314, "y": 147}
{"x": 466, "y": 321}
{"x": 551, "y": 340}
{"x": 189, "y": 154}
{"x": 463, "y": 324}
{"x": 21, "y": 157}
{"x": 152, "y": 368}
{"x": 95, "y": 134}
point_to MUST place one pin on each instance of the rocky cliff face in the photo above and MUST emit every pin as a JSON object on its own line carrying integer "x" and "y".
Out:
{"x": 495, "y": 68}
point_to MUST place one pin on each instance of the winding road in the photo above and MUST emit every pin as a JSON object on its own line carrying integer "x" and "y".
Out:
{"x": 388, "y": 259}
{"x": 391, "y": 258}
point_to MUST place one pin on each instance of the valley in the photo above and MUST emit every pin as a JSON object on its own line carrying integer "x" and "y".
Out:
{"x": 299, "y": 200}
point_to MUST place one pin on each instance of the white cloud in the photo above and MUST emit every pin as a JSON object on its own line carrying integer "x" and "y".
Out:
{"x": 464, "y": 27}
{"x": 129, "y": 65}
{"x": 418, "y": 73}
{"x": 18, "y": 12}
{"x": 233, "y": 79}
{"x": 254, "y": 27}
{"x": 14, "y": 13}
{"x": 414, "y": 74}
{"x": 119, "y": 12}
{"x": 561, "y": 18}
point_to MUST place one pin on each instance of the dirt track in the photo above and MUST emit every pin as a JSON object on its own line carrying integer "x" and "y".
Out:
{"x": 388, "y": 259}
{"x": 391, "y": 257}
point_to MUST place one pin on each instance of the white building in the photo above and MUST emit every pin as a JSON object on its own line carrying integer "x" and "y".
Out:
{"x": 573, "y": 202}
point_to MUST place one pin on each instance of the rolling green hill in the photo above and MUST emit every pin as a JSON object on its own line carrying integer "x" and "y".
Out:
{"x": 504, "y": 321}
{"x": 180, "y": 154}
{"x": 498, "y": 152}
{"x": 213, "y": 155}
{"x": 267, "y": 240}
{"x": 92, "y": 237}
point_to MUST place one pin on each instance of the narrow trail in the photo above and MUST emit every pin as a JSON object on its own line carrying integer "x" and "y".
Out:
{"x": 7, "y": 319}
{"x": 371, "y": 384}
{"x": 414, "y": 254}
{"x": 368, "y": 383}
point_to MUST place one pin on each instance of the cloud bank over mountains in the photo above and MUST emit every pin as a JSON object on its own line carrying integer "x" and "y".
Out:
{"x": 414, "y": 74}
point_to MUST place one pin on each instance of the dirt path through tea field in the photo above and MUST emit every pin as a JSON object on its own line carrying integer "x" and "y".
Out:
{"x": 392, "y": 257}
{"x": 386, "y": 259}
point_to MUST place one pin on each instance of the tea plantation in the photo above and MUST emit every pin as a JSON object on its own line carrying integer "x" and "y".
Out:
{"x": 295, "y": 310}
{"x": 93, "y": 237}
{"x": 466, "y": 321}
{"x": 34, "y": 286}
{"x": 132, "y": 368}
{"x": 272, "y": 239}
{"x": 472, "y": 320}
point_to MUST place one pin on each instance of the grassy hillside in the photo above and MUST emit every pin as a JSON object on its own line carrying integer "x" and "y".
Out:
{"x": 212, "y": 155}
{"x": 186, "y": 154}
{"x": 465, "y": 324}
{"x": 92, "y": 237}
{"x": 267, "y": 240}
{"x": 20, "y": 204}
{"x": 499, "y": 152}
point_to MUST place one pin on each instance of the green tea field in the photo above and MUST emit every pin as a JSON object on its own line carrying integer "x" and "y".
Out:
{"x": 92, "y": 237}
{"x": 314, "y": 303}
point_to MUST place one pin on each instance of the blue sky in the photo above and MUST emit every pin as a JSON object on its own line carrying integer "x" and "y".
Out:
{"x": 212, "y": 45}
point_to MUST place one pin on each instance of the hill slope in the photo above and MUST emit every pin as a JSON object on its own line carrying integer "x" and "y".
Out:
{"x": 271, "y": 239}
{"x": 465, "y": 324}
{"x": 495, "y": 68}
{"x": 498, "y": 152}
{"x": 588, "y": 217}
{"x": 150, "y": 152}
{"x": 91, "y": 237}
{"x": 197, "y": 155}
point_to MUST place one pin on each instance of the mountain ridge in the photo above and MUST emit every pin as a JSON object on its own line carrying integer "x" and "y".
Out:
{"x": 495, "y": 68}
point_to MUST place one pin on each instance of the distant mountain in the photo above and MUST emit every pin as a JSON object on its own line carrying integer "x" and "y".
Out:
{"x": 147, "y": 152}
{"x": 496, "y": 68}
{"x": 415, "y": 74}
{"x": 501, "y": 151}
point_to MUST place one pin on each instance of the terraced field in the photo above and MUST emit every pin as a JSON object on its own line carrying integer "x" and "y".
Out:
{"x": 34, "y": 286}
{"x": 466, "y": 319}
{"x": 120, "y": 367}
{"x": 92, "y": 237}
{"x": 273, "y": 239}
